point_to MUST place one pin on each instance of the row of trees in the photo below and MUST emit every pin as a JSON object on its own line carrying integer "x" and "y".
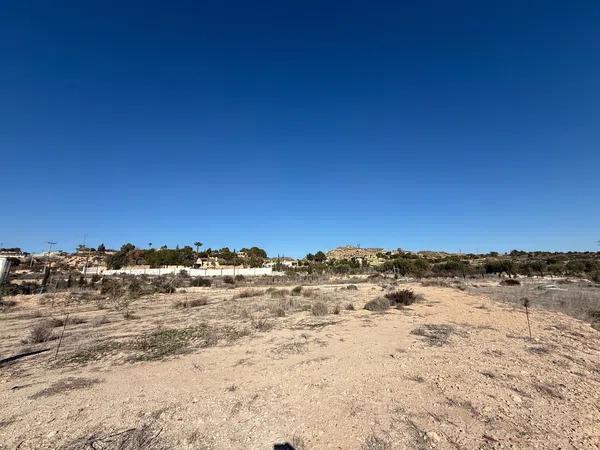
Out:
{"x": 129, "y": 255}
{"x": 516, "y": 263}
{"x": 583, "y": 267}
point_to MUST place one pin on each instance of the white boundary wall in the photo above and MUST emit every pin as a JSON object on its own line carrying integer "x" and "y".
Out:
{"x": 247, "y": 272}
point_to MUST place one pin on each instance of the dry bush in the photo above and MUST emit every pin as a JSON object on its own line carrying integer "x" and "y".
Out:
{"x": 246, "y": 293}
{"x": 60, "y": 322}
{"x": 99, "y": 320}
{"x": 191, "y": 303}
{"x": 319, "y": 309}
{"x": 278, "y": 311}
{"x": 352, "y": 287}
{"x": 228, "y": 280}
{"x": 337, "y": 309}
{"x": 310, "y": 293}
{"x": 402, "y": 297}
{"x": 262, "y": 324}
{"x": 6, "y": 304}
{"x": 41, "y": 332}
{"x": 435, "y": 283}
{"x": 510, "y": 282}
{"x": 377, "y": 304}
{"x": 200, "y": 282}
{"x": 297, "y": 290}
{"x": 350, "y": 307}
{"x": 277, "y": 293}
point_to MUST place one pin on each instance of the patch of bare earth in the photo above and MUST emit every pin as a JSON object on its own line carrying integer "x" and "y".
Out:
{"x": 222, "y": 368}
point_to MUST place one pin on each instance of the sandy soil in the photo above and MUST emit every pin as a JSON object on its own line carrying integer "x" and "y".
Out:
{"x": 470, "y": 378}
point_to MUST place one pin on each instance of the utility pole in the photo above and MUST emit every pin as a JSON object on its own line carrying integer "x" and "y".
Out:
{"x": 87, "y": 256}
{"x": 50, "y": 244}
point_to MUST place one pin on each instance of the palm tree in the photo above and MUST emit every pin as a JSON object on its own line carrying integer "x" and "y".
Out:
{"x": 198, "y": 244}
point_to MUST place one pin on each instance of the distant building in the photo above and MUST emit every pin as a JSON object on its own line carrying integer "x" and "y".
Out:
{"x": 285, "y": 261}
{"x": 210, "y": 262}
{"x": 11, "y": 252}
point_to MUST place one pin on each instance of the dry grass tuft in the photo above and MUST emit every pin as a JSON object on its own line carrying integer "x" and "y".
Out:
{"x": 434, "y": 335}
{"x": 144, "y": 437}
{"x": 191, "y": 303}
{"x": 247, "y": 293}
{"x": 60, "y": 322}
{"x": 41, "y": 332}
{"x": 310, "y": 293}
{"x": 7, "y": 304}
{"x": 297, "y": 290}
{"x": 277, "y": 293}
{"x": 262, "y": 324}
{"x": 319, "y": 309}
{"x": 99, "y": 320}
{"x": 435, "y": 283}
{"x": 377, "y": 304}
{"x": 374, "y": 442}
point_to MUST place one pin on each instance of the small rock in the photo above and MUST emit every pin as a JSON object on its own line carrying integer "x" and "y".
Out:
{"x": 433, "y": 436}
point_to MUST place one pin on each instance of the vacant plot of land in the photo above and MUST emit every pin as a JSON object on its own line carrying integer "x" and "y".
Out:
{"x": 222, "y": 368}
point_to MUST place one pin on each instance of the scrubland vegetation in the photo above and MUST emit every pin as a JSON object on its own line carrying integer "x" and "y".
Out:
{"x": 234, "y": 350}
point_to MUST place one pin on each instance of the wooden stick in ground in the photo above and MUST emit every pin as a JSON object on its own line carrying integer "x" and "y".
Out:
{"x": 62, "y": 334}
{"x": 528, "y": 324}
{"x": 526, "y": 304}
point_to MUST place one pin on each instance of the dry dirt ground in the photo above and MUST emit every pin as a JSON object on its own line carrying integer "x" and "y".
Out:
{"x": 455, "y": 370}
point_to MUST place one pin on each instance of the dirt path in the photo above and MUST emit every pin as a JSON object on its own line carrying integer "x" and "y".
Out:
{"x": 453, "y": 371}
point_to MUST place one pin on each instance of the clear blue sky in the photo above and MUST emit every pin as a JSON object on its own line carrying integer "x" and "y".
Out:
{"x": 299, "y": 126}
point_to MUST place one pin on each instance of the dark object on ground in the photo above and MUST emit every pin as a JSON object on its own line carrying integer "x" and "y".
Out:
{"x": 403, "y": 297}
{"x": 510, "y": 282}
{"x": 22, "y": 355}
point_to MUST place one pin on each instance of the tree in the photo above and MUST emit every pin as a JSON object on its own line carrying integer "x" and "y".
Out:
{"x": 198, "y": 244}
{"x": 126, "y": 248}
{"x": 101, "y": 248}
{"x": 150, "y": 244}
{"x": 320, "y": 256}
